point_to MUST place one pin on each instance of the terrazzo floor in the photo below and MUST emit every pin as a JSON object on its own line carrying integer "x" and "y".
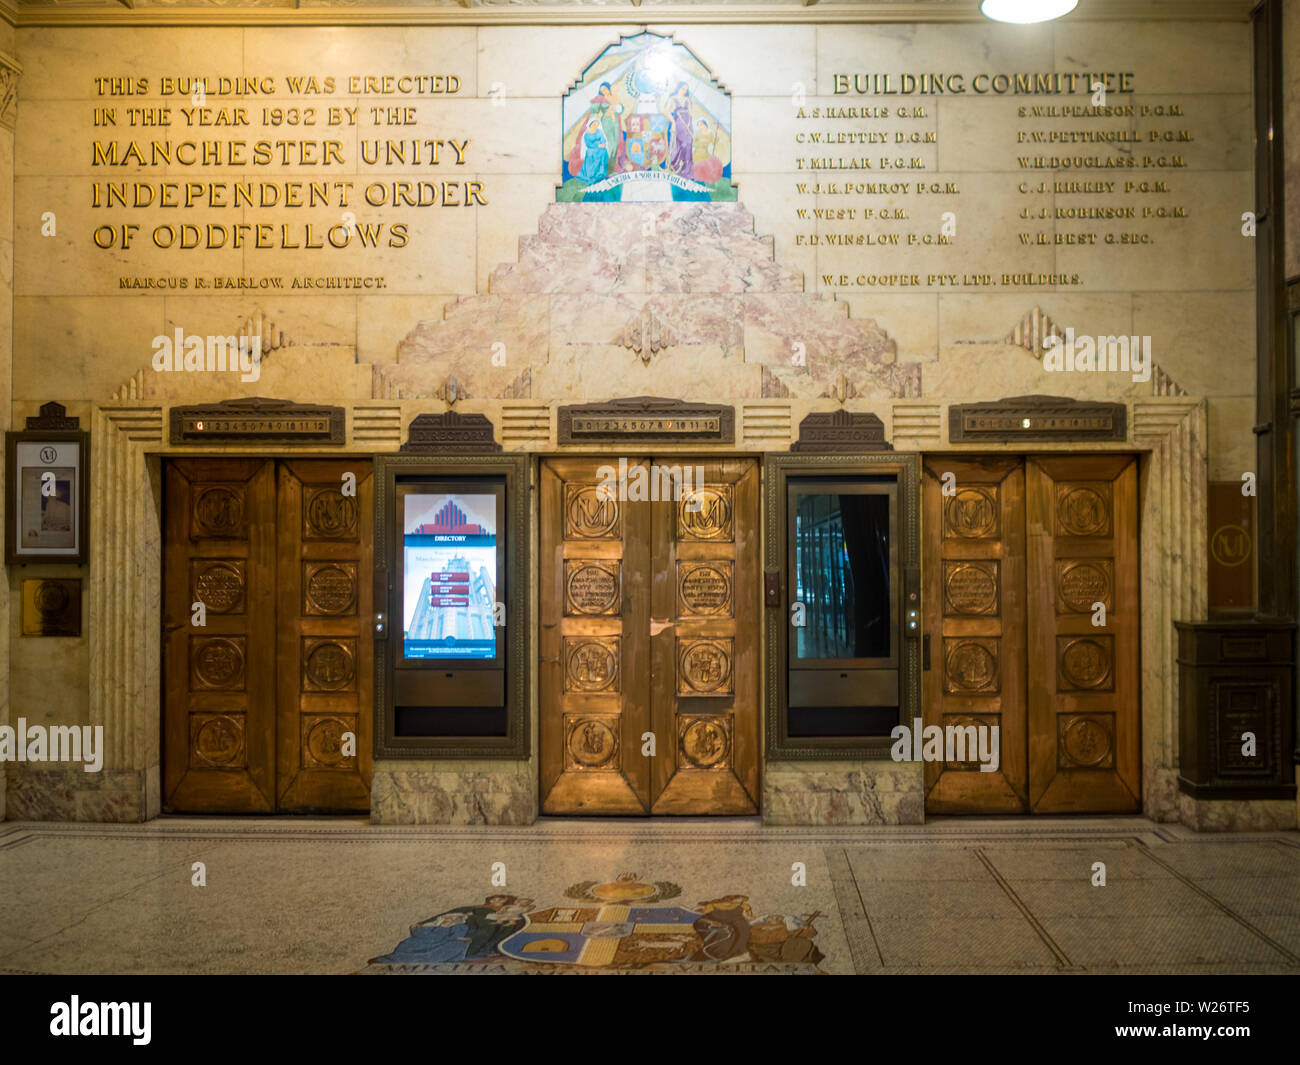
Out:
{"x": 343, "y": 896}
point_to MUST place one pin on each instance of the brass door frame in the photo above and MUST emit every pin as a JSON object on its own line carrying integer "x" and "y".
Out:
{"x": 778, "y": 468}
{"x": 521, "y": 524}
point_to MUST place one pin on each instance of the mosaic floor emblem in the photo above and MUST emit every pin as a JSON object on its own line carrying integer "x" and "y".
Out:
{"x": 623, "y": 924}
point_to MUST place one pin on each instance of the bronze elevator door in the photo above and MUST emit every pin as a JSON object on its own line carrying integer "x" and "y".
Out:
{"x": 1017, "y": 554}
{"x": 649, "y": 625}
{"x": 257, "y": 701}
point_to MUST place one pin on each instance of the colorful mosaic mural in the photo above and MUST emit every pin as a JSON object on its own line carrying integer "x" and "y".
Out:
{"x": 646, "y": 122}
{"x": 624, "y": 924}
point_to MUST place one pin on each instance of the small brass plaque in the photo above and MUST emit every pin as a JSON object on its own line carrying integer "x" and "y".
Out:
{"x": 645, "y": 418}
{"x": 52, "y": 607}
{"x": 591, "y": 586}
{"x": 704, "y": 588}
{"x": 1036, "y": 418}
{"x": 277, "y": 421}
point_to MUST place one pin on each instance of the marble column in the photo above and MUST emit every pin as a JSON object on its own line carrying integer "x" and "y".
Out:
{"x": 1291, "y": 149}
{"x": 9, "y": 72}
{"x": 1175, "y": 577}
{"x": 1291, "y": 130}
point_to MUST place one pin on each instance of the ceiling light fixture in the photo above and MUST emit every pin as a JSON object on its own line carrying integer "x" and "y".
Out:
{"x": 1024, "y": 11}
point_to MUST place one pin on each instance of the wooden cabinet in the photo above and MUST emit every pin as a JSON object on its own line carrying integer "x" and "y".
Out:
{"x": 1234, "y": 680}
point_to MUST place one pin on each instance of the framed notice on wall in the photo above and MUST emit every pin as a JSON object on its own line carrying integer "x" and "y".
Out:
{"x": 47, "y": 476}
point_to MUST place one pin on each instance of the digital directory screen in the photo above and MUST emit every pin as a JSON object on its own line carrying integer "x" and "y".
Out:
{"x": 449, "y": 552}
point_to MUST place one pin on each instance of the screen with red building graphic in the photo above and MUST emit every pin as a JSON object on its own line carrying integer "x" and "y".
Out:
{"x": 450, "y": 562}
{"x": 451, "y": 519}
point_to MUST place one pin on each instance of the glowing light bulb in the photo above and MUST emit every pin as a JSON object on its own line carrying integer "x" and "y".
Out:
{"x": 1024, "y": 11}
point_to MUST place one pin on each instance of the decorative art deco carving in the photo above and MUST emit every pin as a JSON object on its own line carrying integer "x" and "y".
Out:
{"x": 1080, "y": 582}
{"x": 973, "y": 513}
{"x": 452, "y": 433}
{"x": 704, "y": 666}
{"x": 451, "y": 391}
{"x": 1032, "y": 331}
{"x": 842, "y": 431}
{"x": 1084, "y": 509}
{"x": 706, "y": 513}
{"x": 646, "y": 335}
{"x": 327, "y": 514}
{"x": 1085, "y": 741}
{"x": 217, "y": 740}
{"x": 329, "y": 664}
{"x": 705, "y": 589}
{"x": 218, "y": 512}
{"x": 1085, "y": 663}
{"x": 590, "y": 742}
{"x": 842, "y": 390}
{"x": 329, "y": 588}
{"x": 270, "y": 335}
{"x": 1164, "y": 385}
{"x": 10, "y": 71}
{"x": 590, "y": 514}
{"x": 971, "y": 665}
{"x": 772, "y": 387}
{"x": 322, "y": 742}
{"x": 219, "y": 584}
{"x": 705, "y": 741}
{"x": 217, "y": 663}
{"x": 591, "y": 663}
{"x": 520, "y": 388}
{"x": 971, "y": 587}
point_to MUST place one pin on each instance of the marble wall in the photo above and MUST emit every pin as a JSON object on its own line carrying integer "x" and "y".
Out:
{"x": 1291, "y": 146}
{"x": 1291, "y": 130}
{"x": 512, "y": 79}
{"x": 7, "y": 73}
{"x": 561, "y": 286}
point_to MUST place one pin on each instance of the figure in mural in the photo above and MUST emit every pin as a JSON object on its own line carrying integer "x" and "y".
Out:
{"x": 607, "y": 111}
{"x": 724, "y": 926}
{"x": 444, "y": 938}
{"x": 681, "y": 157}
{"x": 604, "y": 111}
{"x": 664, "y": 125}
{"x": 708, "y": 167}
{"x": 595, "y": 154}
{"x": 462, "y": 933}
{"x": 775, "y": 937}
